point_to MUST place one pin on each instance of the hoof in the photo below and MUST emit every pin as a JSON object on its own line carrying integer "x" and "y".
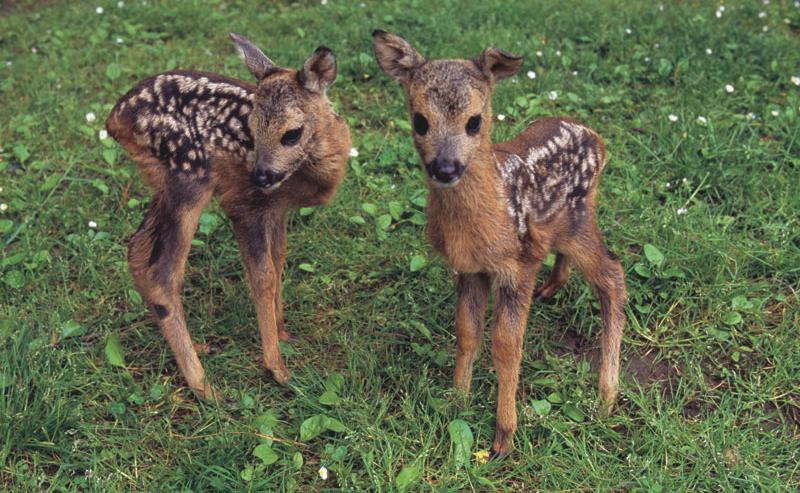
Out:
{"x": 495, "y": 455}
{"x": 288, "y": 337}
{"x": 208, "y": 394}
{"x": 282, "y": 376}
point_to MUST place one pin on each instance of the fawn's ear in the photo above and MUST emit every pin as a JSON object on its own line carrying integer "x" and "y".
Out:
{"x": 395, "y": 55}
{"x": 319, "y": 71}
{"x": 497, "y": 64}
{"x": 256, "y": 61}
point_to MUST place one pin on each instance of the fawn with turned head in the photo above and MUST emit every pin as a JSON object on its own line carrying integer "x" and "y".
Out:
{"x": 496, "y": 210}
{"x": 263, "y": 149}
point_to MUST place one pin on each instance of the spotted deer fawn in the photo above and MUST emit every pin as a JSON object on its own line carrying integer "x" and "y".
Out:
{"x": 496, "y": 210}
{"x": 263, "y": 149}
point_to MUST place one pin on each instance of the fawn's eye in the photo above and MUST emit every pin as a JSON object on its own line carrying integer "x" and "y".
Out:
{"x": 292, "y": 137}
{"x": 473, "y": 125}
{"x": 420, "y": 124}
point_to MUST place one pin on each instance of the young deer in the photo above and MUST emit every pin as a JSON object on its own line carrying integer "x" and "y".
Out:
{"x": 496, "y": 210}
{"x": 262, "y": 149}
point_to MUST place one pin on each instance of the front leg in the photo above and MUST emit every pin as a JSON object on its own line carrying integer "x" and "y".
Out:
{"x": 473, "y": 294}
{"x": 278, "y": 249}
{"x": 512, "y": 301}
{"x": 252, "y": 234}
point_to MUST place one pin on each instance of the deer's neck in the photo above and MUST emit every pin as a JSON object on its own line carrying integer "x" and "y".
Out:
{"x": 468, "y": 223}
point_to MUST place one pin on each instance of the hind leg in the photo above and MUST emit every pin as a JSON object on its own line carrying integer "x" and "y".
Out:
{"x": 157, "y": 255}
{"x": 604, "y": 272}
{"x": 558, "y": 277}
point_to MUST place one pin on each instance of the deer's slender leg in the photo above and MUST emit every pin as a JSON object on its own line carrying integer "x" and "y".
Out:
{"x": 157, "y": 255}
{"x": 558, "y": 277}
{"x": 512, "y": 301}
{"x": 604, "y": 272}
{"x": 473, "y": 294}
{"x": 253, "y": 227}
{"x": 278, "y": 249}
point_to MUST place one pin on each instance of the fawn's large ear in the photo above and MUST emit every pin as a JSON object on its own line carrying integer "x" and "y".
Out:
{"x": 256, "y": 61}
{"x": 497, "y": 64}
{"x": 395, "y": 55}
{"x": 319, "y": 71}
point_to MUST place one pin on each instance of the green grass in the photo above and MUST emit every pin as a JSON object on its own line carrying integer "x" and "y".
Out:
{"x": 711, "y": 390}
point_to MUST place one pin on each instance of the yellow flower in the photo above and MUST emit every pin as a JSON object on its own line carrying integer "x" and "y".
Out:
{"x": 481, "y": 456}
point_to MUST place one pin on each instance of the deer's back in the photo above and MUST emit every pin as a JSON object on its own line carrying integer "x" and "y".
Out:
{"x": 182, "y": 118}
{"x": 553, "y": 165}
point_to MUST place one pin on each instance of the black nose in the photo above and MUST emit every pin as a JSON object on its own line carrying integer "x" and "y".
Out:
{"x": 446, "y": 170}
{"x": 265, "y": 177}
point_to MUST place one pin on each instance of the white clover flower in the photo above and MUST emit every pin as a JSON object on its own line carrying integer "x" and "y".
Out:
{"x": 323, "y": 473}
{"x": 709, "y": 51}
{"x": 552, "y": 95}
{"x": 729, "y": 88}
{"x": 118, "y": 40}
{"x": 323, "y": 2}
{"x": 8, "y": 63}
{"x": 92, "y": 224}
{"x": 765, "y": 28}
{"x": 661, "y": 8}
{"x": 34, "y": 50}
{"x": 682, "y": 211}
{"x": 673, "y": 117}
{"x": 353, "y": 152}
{"x": 721, "y": 8}
{"x": 647, "y": 59}
{"x": 531, "y": 74}
{"x": 102, "y": 134}
{"x": 538, "y": 53}
{"x": 718, "y": 13}
{"x": 775, "y": 112}
{"x": 99, "y": 10}
{"x": 558, "y": 52}
{"x": 628, "y": 31}
{"x": 3, "y": 207}
{"x": 702, "y": 121}
{"x": 796, "y": 80}
{"x": 684, "y": 181}
{"x": 761, "y": 15}
{"x": 501, "y": 117}
{"x": 669, "y": 185}
{"x": 362, "y": 5}
{"x": 575, "y": 73}
{"x": 120, "y": 4}
{"x": 656, "y": 45}
{"x": 90, "y": 117}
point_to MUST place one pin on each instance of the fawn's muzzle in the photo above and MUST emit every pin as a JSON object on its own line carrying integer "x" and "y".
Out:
{"x": 445, "y": 171}
{"x": 266, "y": 178}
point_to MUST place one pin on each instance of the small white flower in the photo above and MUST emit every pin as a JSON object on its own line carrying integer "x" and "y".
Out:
{"x": 99, "y": 10}
{"x": 796, "y": 80}
{"x": 538, "y": 53}
{"x": 765, "y": 28}
{"x": 3, "y": 207}
{"x": 34, "y": 50}
{"x": 647, "y": 59}
{"x": 353, "y": 152}
{"x": 657, "y": 45}
{"x": 682, "y": 211}
{"x": 531, "y": 74}
{"x": 729, "y": 88}
{"x": 752, "y": 116}
{"x": 323, "y": 473}
{"x": 8, "y": 63}
{"x": 118, "y": 40}
{"x": 673, "y": 117}
{"x": 362, "y": 5}
{"x": 102, "y": 134}
{"x": 709, "y": 51}
{"x": 323, "y": 2}
{"x": 120, "y": 4}
{"x": 661, "y": 8}
{"x": 702, "y": 121}
{"x": 1, "y": 188}
{"x": 552, "y": 95}
{"x": 718, "y": 13}
{"x": 765, "y": 2}
{"x": 721, "y": 8}
{"x": 575, "y": 73}
{"x": 669, "y": 185}
{"x": 501, "y": 117}
{"x": 761, "y": 15}
{"x": 628, "y": 31}
{"x": 90, "y": 117}
{"x": 558, "y": 52}
{"x": 775, "y": 112}
{"x": 92, "y": 224}
{"x": 684, "y": 181}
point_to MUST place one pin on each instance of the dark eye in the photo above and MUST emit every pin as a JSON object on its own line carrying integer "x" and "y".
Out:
{"x": 420, "y": 124}
{"x": 292, "y": 137}
{"x": 473, "y": 125}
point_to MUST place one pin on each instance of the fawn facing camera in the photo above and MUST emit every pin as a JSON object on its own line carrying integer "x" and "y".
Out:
{"x": 496, "y": 210}
{"x": 262, "y": 149}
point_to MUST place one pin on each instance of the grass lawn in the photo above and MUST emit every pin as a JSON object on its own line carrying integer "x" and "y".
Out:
{"x": 699, "y": 108}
